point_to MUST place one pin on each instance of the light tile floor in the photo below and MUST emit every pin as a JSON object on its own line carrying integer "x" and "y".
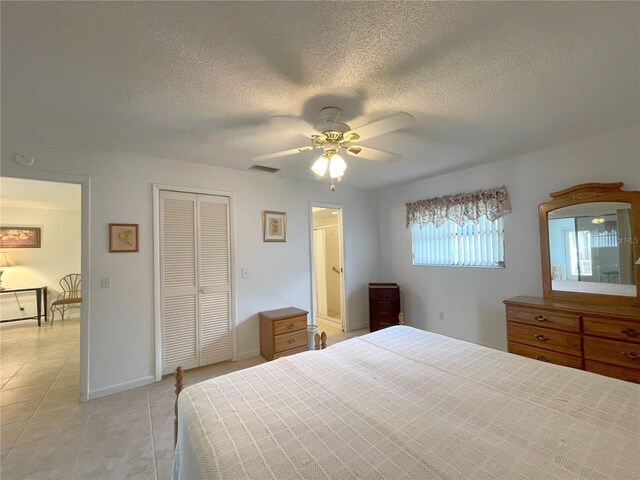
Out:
{"x": 334, "y": 333}
{"x": 46, "y": 433}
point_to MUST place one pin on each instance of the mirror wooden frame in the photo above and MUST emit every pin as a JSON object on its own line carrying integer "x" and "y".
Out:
{"x": 589, "y": 193}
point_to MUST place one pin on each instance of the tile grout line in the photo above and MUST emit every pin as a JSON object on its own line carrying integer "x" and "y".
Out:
{"x": 84, "y": 438}
{"x": 153, "y": 439}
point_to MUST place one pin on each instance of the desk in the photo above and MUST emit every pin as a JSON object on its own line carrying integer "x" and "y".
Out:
{"x": 41, "y": 294}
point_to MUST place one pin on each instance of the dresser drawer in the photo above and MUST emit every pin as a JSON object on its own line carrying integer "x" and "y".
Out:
{"x": 545, "y": 355}
{"x": 612, "y": 351}
{"x": 287, "y": 325}
{"x": 291, "y": 352}
{"x": 287, "y": 341}
{"x": 615, "y": 371}
{"x": 612, "y": 328}
{"x": 569, "y": 322}
{"x": 545, "y": 338}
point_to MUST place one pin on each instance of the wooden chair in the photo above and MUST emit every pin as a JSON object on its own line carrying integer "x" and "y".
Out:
{"x": 70, "y": 295}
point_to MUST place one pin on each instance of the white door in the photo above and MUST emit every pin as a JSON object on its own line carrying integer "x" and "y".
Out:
{"x": 195, "y": 279}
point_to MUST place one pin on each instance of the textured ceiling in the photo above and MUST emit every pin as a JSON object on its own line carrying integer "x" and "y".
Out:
{"x": 198, "y": 81}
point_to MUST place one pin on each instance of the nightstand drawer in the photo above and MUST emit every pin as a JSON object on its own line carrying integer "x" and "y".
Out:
{"x": 569, "y": 322}
{"x": 291, "y": 352}
{"x": 288, "y": 325}
{"x": 545, "y": 338}
{"x": 545, "y": 355}
{"x": 287, "y": 341}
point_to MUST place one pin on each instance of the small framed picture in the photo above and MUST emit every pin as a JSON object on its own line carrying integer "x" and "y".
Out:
{"x": 123, "y": 237}
{"x": 19, "y": 237}
{"x": 274, "y": 226}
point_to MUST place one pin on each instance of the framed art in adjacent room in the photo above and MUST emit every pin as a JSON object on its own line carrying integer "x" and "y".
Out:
{"x": 123, "y": 237}
{"x": 19, "y": 237}
{"x": 274, "y": 226}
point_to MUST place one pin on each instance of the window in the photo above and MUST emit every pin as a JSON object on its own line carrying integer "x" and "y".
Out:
{"x": 473, "y": 245}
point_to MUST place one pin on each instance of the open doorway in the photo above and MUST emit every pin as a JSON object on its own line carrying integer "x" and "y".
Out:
{"x": 328, "y": 270}
{"x": 40, "y": 297}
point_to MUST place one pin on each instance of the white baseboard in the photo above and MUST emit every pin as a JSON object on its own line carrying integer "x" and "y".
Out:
{"x": 249, "y": 354}
{"x": 120, "y": 387}
{"x": 359, "y": 326}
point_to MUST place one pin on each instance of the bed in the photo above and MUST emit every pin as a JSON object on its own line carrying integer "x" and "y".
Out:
{"x": 402, "y": 403}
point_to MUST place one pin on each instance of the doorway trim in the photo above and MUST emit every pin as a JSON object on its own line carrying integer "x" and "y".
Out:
{"x": 157, "y": 317}
{"x": 343, "y": 286}
{"x": 85, "y": 257}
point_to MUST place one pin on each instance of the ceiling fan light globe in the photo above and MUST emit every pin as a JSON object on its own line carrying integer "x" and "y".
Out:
{"x": 337, "y": 166}
{"x": 319, "y": 167}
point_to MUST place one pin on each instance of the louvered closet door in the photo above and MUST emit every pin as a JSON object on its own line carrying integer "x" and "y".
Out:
{"x": 195, "y": 261}
{"x": 178, "y": 280}
{"x": 214, "y": 278}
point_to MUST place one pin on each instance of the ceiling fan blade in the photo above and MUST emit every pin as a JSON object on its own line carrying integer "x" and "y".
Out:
{"x": 373, "y": 154}
{"x": 284, "y": 153}
{"x": 294, "y": 123}
{"x": 385, "y": 125}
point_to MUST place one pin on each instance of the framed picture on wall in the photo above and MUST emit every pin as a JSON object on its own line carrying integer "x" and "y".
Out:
{"x": 123, "y": 237}
{"x": 19, "y": 237}
{"x": 274, "y": 226}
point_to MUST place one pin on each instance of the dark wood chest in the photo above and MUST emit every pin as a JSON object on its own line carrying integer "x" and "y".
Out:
{"x": 384, "y": 305}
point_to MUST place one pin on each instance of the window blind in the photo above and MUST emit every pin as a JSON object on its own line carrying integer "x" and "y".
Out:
{"x": 471, "y": 245}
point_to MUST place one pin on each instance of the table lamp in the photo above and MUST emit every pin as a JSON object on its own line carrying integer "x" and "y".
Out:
{"x": 5, "y": 261}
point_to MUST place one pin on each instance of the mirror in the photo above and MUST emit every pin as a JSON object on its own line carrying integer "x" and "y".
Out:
{"x": 590, "y": 242}
{"x": 590, "y": 248}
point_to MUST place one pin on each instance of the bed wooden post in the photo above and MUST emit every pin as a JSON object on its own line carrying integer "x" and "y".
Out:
{"x": 179, "y": 375}
{"x": 320, "y": 341}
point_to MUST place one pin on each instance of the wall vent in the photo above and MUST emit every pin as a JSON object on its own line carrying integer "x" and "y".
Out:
{"x": 262, "y": 168}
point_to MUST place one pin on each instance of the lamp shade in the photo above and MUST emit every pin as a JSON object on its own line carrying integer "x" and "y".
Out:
{"x": 6, "y": 261}
{"x": 320, "y": 166}
{"x": 337, "y": 166}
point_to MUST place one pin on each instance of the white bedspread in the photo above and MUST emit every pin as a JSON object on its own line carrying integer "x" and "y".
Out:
{"x": 402, "y": 403}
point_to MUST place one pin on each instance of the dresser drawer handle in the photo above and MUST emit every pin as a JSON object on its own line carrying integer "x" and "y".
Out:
{"x": 542, "y": 358}
{"x": 540, "y": 318}
{"x": 631, "y": 332}
{"x": 291, "y": 340}
{"x": 541, "y": 338}
{"x": 631, "y": 355}
{"x": 291, "y": 325}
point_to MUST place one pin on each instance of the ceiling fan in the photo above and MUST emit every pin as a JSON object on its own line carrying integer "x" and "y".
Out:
{"x": 335, "y": 137}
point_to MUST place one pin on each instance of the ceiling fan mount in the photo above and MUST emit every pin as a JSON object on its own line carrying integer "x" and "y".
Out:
{"x": 335, "y": 135}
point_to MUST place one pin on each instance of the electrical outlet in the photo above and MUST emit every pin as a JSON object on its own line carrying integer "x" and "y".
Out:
{"x": 105, "y": 282}
{"x": 441, "y": 315}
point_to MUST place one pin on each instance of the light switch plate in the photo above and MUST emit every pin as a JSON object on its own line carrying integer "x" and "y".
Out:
{"x": 244, "y": 273}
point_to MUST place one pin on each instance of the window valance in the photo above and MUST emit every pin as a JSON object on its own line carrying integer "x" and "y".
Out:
{"x": 460, "y": 208}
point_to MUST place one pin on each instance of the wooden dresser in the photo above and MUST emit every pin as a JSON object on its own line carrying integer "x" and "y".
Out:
{"x": 604, "y": 340}
{"x": 384, "y": 305}
{"x": 283, "y": 332}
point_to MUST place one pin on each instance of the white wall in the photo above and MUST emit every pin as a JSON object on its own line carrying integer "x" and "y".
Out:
{"x": 58, "y": 256}
{"x": 471, "y": 298}
{"x": 121, "y": 343}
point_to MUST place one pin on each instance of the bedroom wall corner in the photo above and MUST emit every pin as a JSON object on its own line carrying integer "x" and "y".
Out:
{"x": 471, "y": 298}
